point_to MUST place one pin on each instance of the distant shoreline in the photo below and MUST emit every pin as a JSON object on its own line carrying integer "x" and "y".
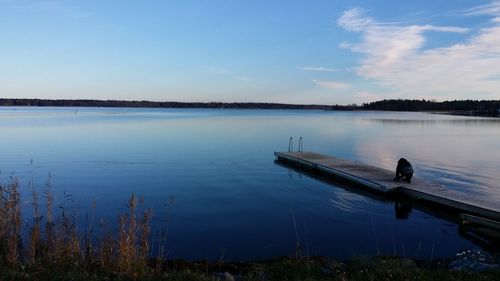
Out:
{"x": 168, "y": 104}
{"x": 483, "y": 108}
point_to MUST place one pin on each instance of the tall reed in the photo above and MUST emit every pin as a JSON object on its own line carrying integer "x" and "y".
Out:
{"x": 62, "y": 243}
{"x": 133, "y": 239}
{"x": 10, "y": 223}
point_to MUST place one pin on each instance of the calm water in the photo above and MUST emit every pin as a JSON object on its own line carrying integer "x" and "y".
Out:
{"x": 211, "y": 179}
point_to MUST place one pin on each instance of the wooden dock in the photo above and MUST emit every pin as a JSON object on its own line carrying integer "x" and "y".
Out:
{"x": 381, "y": 180}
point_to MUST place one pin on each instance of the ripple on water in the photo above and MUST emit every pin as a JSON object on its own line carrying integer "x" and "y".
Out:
{"x": 461, "y": 179}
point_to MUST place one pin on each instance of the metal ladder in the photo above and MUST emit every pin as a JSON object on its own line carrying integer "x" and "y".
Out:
{"x": 300, "y": 147}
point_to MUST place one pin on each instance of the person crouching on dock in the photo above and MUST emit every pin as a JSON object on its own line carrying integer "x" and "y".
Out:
{"x": 404, "y": 170}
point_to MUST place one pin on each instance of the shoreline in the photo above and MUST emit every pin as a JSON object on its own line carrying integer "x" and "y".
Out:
{"x": 458, "y": 108}
{"x": 313, "y": 268}
{"x": 161, "y": 104}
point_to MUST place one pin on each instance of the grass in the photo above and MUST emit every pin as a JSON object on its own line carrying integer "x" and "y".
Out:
{"x": 55, "y": 242}
{"x": 51, "y": 246}
{"x": 289, "y": 269}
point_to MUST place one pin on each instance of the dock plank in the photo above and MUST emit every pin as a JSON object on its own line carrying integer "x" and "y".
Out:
{"x": 381, "y": 180}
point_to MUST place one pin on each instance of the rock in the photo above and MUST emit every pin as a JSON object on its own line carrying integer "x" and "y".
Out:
{"x": 326, "y": 270}
{"x": 473, "y": 260}
{"x": 226, "y": 276}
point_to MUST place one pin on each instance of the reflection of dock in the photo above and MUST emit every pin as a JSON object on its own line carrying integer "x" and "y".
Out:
{"x": 380, "y": 180}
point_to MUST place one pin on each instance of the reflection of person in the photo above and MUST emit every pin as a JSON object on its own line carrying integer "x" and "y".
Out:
{"x": 404, "y": 170}
{"x": 402, "y": 210}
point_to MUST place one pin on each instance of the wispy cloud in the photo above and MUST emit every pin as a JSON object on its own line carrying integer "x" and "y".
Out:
{"x": 317, "y": 68}
{"x": 243, "y": 78}
{"x": 366, "y": 96}
{"x": 395, "y": 57}
{"x": 492, "y": 8}
{"x": 58, "y": 7}
{"x": 355, "y": 20}
{"x": 219, "y": 71}
{"x": 332, "y": 85}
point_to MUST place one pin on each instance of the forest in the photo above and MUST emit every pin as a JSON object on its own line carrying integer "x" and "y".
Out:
{"x": 462, "y": 107}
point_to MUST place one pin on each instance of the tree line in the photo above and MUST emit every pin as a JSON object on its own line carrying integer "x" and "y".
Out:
{"x": 156, "y": 104}
{"x": 466, "y": 107}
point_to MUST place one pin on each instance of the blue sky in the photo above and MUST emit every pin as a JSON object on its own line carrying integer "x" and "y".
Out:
{"x": 328, "y": 52}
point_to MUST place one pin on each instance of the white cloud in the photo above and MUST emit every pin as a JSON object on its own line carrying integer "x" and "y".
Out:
{"x": 332, "y": 85}
{"x": 317, "y": 68}
{"x": 395, "y": 57}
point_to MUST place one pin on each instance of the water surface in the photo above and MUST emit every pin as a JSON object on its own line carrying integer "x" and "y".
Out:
{"x": 211, "y": 179}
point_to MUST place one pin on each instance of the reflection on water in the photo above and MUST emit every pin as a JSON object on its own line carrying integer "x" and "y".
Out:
{"x": 214, "y": 187}
{"x": 402, "y": 210}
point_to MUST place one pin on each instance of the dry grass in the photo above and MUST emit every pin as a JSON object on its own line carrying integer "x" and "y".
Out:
{"x": 55, "y": 241}
{"x": 10, "y": 223}
{"x": 133, "y": 238}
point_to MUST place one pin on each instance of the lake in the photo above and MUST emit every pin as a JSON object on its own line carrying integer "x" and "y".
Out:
{"x": 215, "y": 190}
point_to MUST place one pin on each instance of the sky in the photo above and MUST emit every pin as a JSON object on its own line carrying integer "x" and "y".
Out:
{"x": 303, "y": 52}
